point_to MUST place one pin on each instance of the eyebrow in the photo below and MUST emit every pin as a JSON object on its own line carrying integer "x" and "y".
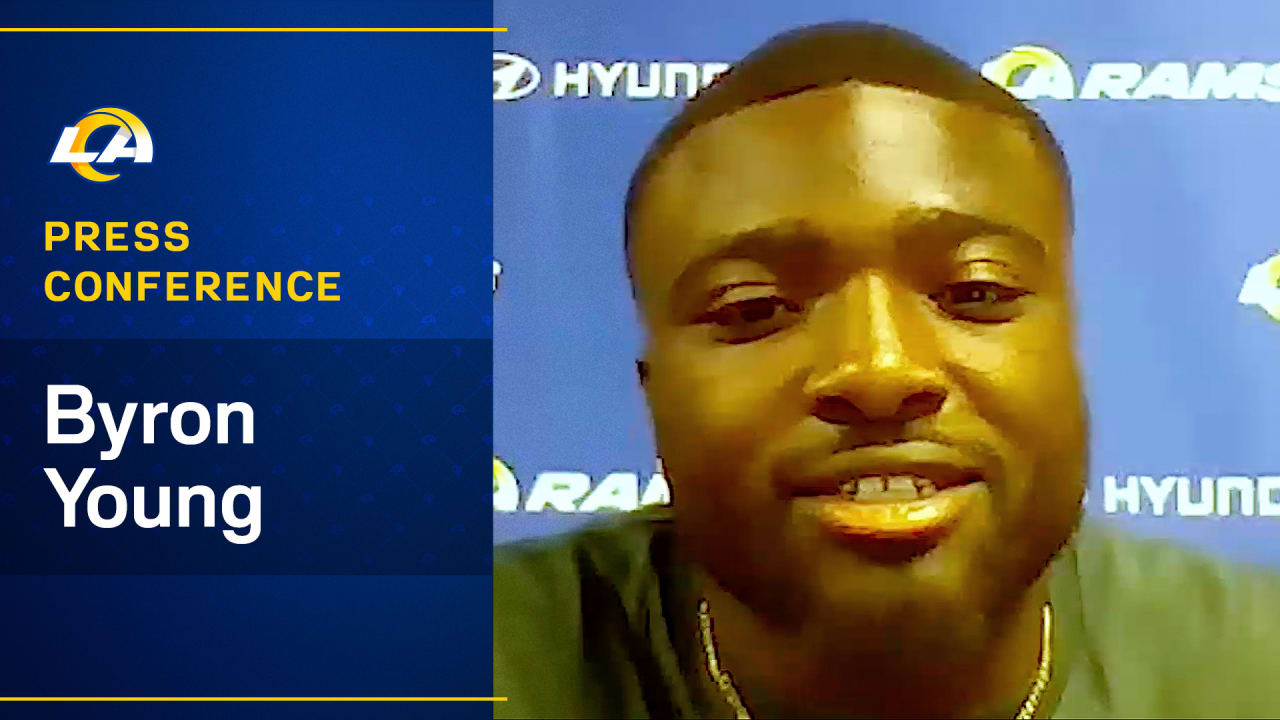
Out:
{"x": 767, "y": 244}
{"x": 948, "y": 228}
{"x": 941, "y": 230}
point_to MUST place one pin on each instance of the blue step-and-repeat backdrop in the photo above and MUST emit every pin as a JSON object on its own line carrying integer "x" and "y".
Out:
{"x": 1169, "y": 114}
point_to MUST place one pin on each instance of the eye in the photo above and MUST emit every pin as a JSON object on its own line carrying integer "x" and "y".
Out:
{"x": 750, "y": 319}
{"x": 983, "y": 302}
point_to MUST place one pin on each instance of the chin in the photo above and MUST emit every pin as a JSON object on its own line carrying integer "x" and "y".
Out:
{"x": 945, "y": 605}
{"x": 945, "y": 602}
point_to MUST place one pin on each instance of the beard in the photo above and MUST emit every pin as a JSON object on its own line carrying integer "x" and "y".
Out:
{"x": 891, "y": 639}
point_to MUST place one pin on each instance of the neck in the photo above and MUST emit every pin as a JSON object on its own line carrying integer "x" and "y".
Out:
{"x": 785, "y": 673}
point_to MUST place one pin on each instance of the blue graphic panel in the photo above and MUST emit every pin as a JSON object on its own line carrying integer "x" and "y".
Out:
{"x": 365, "y": 155}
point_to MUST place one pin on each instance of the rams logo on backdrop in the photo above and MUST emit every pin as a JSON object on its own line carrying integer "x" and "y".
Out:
{"x": 577, "y": 492}
{"x": 506, "y": 490}
{"x": 71, "y": 146}
{"x": 513, "y": 76}
{"x": 1049, "y": 75}
{"x": 1031, "y": 72}
{"x": 1262, "y": 286}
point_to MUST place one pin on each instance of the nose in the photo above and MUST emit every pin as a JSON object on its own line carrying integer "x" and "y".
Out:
{"x": 882, "y": 371}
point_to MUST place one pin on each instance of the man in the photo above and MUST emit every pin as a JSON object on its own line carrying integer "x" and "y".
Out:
{"x": 852, "y": 257}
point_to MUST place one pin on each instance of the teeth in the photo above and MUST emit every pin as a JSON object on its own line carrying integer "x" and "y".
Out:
{"x": 898, "y": 488}
{"x": 900, "y": 483}
{"x": 926, "y": 488}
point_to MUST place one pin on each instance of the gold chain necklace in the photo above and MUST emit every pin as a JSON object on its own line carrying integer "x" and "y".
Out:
{"x": 730, "y": 692}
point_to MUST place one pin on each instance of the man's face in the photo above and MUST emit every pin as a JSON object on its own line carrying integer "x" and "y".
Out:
{"x": 861, "y": 361}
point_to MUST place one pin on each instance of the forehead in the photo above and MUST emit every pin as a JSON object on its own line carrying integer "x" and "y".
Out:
{"x": 846, "y": 161}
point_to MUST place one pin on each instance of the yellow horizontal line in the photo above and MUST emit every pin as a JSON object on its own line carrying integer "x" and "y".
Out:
{"x": 252, "y": 700}
{"x": 249, "y": 29}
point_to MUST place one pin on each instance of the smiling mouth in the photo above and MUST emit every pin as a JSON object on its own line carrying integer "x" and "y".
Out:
{"x": 892, "y": 518}
{"x": 891, "y": 504}
{"x": 886, "y": 527}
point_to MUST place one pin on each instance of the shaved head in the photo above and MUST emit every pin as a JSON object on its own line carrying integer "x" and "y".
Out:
{"x": 831, "y": 54}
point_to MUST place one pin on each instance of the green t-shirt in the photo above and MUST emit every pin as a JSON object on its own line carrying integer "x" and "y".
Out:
{"x": 602, "y": 624}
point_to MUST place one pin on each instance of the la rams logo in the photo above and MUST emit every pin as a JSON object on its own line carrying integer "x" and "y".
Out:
{"x": 1262, "y": 287}
{"x": 506, "y": 491}
{"x": 1049, "y": 75}
{"x": 71, "y": 146}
